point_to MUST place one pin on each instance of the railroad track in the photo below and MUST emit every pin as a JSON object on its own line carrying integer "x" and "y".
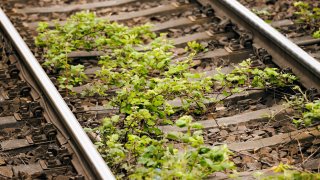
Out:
{"x": 289, "y": 24}
{"x": 255, "y": 125}
{"x": 39, "y": 139}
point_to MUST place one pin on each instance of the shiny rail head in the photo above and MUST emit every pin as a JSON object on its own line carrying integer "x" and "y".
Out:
{"x": 274, "y": 35}
{"x": 285, "y": 53}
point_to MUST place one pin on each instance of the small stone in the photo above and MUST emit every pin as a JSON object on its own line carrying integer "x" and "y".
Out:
{"x": 22, "y": 155}
{"x": 2, "y": 162}
{"x": 265, "y": 150}
{"x": 187, "y": 30}
{"x": 255, "y": 137}
{"x": 283, "y": 154}
{"x": 231, "y": 139}
{"x": 219, "y": 175}
{"x": 247, "y": 159}
{"x": 6, "y": 172}
{"x": 232, "y": 128}
{"x": 259, "y": 132}
{"x": 207, "y": 68}
{"x": 313, "y": 164}
{"x": 93, "y": 136}
{"x": 199, "y": 69}
{"x": 316, "y": 142}
{"x": 214, "y": 130}
{"x": 179, "y": 51}
{"x": 268, "y": 159}
{"x": 274, "y": 154}
{"x": 253, "y": 108}
{"x": 204, "y": 44}
{"x": 195, "y": 27}
{"x": 288, "y": 127}
{"x": 33, "y": 17}
{"x": 285, "y": 161}
{"x": 237, "y": 160}
{"x": 293, "y": 150}
{"x": 212, "y": 116}
{"x": 242, "y": 128}
{"x": 254, "y": 166}
{"x": 261, "y": 106}
{"x": 311, "y": 149}
{"x": 221, "y": 108}
{"x": 61, "y": 177}
{"x": 196, "y": 62}
{"x": 271, "y": 131}
{"x": 193, "y": 70}
{"x": 245, "y": 137}
{"x": 223, "y": 133}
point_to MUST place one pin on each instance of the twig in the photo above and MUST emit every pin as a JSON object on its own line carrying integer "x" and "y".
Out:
{"x": 300, "y": 150}
{"x": 255, "y": 158}
{"x": 310, "y": 156}
{"x": 22, "y": 160}
{"x": 274, "y": 114}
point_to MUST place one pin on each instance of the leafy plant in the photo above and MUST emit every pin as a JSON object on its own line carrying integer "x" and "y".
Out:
{"x": 262, "y": 12}
{"x": 83, "y": 31}
{"x": 308, "y": 15}
{"x": 309, "y": 112}
{"x": 285, "y": 171}
{"x": 312, "y": 112}
{"x": 139, "y": 74}
{"x": 306, "y": 110}
{"x": 72, "y": 76}
{"x": 143, "y": 105}
{"x": 198, "y": 163}
{"x": 316, "y": 34}
{"x": 245, "y": 76}
{"x": 195, "y": 47}
{"x": 146, "y": 157}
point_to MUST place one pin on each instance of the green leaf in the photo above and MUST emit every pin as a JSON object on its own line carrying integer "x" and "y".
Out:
{"x": 225, "y": 93}
{"x": 204, "y": 150}
{"x": 181, "y": 123}
{"x": 161, "y": 64}
{"x": 197, "y": 126}
{"x": 167, "y": 122}
{"x": 174, "y": 136}
{"x": 151, "y": 123}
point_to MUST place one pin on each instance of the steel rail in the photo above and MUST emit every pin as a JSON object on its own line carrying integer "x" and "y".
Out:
{"x": 287, "y": 54}
{"x": 97, "y": 166}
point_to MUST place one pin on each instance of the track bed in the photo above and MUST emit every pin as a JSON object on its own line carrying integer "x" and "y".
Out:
{"x": 31, "y": 146}
{"x": 255, "y": 124}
